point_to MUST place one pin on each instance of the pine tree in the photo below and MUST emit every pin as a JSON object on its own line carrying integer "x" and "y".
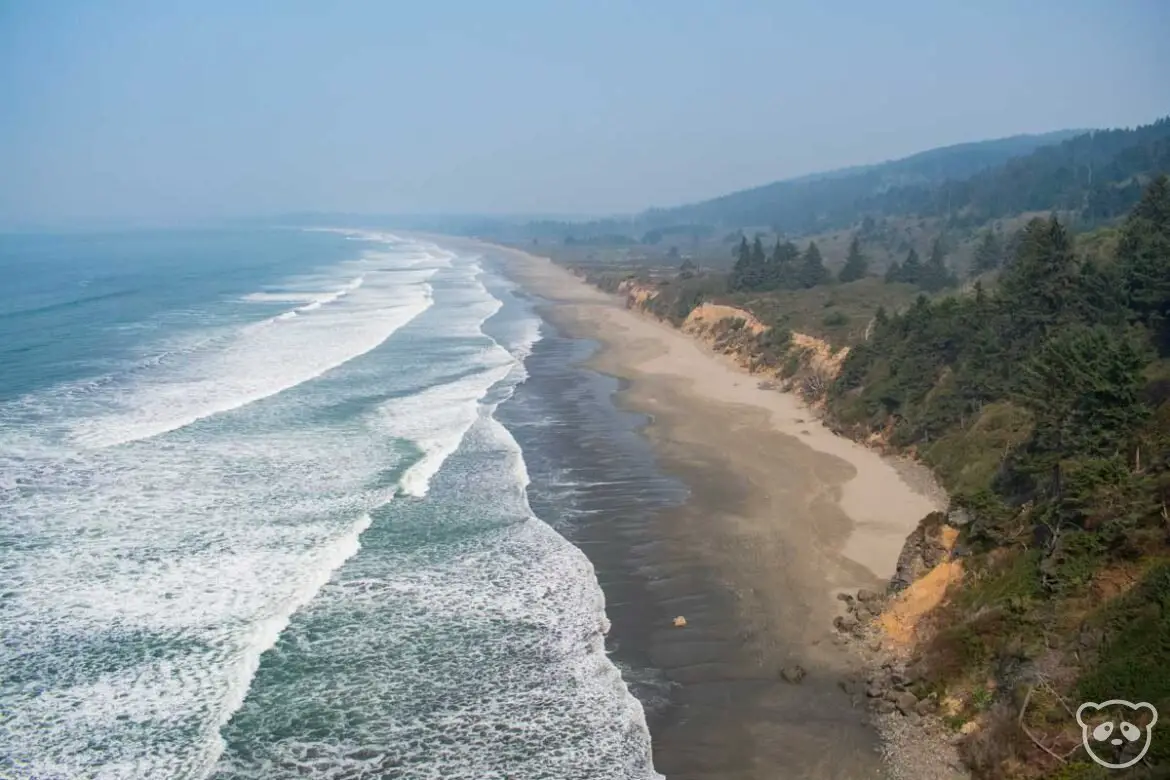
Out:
{"x": 911, "y": 272}
{"x": 812, "y": 267}
{"x": 935, "y": 275}
{"x": 742, "y": 271}
{"x": 894, "y": 272}
{"x": 782, "y": 266}
{"x": 1040, "y": 289}
{"x": 989, "y": 253}
{"x": 1083, "y": 388}
{"x": 856, "y": 265}
{"x": 1144, "y": 257}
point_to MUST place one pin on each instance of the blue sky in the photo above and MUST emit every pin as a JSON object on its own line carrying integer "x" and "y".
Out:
{"x": 163, "y": 111}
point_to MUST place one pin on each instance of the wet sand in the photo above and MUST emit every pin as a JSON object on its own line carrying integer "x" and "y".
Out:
{"x": 782, "y": 514}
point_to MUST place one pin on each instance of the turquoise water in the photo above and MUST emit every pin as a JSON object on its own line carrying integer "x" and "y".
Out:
{"x": 259, "y": 521}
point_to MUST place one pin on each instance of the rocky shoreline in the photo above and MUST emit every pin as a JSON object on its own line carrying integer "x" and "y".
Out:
{"x": 917, "y": 743}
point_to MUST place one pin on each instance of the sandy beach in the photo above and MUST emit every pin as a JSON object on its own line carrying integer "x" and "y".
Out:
{"x": 782, "y": 515}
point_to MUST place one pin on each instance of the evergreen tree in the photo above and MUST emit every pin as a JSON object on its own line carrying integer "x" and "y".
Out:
{"x": 894, "y": 272}
{"x": 782, "y": 266}
{"x": 742, "y": 271}
{"x": 1040, "y": 289}
{"x": 935, "y": 276}
{"x": 989, "y": 253}
{"x": 856, "y": 265}
{"x": 1083, "y": 388}
{"x": 1144, "y": 258}
{"x": 812, "y": 268}
{"x": 911, "y": 272}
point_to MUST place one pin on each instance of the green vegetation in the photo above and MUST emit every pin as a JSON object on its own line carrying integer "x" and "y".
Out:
{"x": 856, "y": 264}
{"x": 785, "y": 268}
{"x": 1039, "y": 393}
{"x": 1044, "y": 406}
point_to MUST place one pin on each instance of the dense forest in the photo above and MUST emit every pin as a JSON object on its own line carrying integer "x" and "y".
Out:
{"x": 1044, "y": 405}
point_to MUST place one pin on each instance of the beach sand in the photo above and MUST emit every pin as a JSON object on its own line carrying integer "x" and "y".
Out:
{"x": 782, "y": 515}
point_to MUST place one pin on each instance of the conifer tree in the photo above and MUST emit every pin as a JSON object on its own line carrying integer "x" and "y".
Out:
{"x": 1040, "y": 289}
{"x": 989, "y": 253}
{"x": 812, "y": 267}
{"x": 911, "y": 272}
{"x": 935, "y": 276}
{"x": 856, "y": 265}
{"x": 741, "y": 272}
{"x": 1144, "y": 257}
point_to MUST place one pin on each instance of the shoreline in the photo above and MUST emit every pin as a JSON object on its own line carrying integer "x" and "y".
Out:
{"x": 783, "y": 515}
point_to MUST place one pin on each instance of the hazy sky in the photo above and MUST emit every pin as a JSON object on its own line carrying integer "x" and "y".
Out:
{"x": 163, "y": 110}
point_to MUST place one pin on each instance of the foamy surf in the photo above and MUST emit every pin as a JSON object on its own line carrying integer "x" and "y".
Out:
{"x": 227, "y": 573}
{"x": 255, "y": 362}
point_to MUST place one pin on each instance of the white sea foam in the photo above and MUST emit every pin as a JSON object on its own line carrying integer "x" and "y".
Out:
{"x": 255, "y": 362}
{"x": 437, "y": 419}
{"x": 152, "y": 577}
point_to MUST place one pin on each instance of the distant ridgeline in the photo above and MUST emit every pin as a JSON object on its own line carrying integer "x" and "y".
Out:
{"x": 1095, "y": 176}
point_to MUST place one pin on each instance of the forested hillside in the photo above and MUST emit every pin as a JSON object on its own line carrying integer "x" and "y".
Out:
{"x": 1096, "y": 173}
{"x": 1044, "y": 405}
{"x": 811, "y": 203}
{"x": 1042, "y": 402}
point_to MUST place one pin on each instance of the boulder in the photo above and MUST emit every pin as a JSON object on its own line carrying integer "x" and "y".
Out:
{"x": 849, "y": 684}
{"x": 926, "y": 707}
{"x": 884, "y": 706}
{"x": 793, "y": 674}
{"x": 845, "y": 623}
{"x": 865, "y": 595}
{"x": 958, "y": 517}
{"x": 906, "y": 702}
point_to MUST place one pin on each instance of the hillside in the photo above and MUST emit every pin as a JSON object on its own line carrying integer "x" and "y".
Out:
{"x": 815, "y": 202}
{"x": 1043, "y": 405}
{"x": 1098, "y": 174}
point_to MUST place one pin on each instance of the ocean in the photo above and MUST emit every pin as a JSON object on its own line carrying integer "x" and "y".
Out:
{"x": 259, "y": 517}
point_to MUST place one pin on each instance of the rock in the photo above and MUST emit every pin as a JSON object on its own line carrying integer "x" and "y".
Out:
{"x": 840, "y": 640}
{"x": 922, "y": 551}
{"x": 885, "y": 707}
{"x": 849, "y": 684}
{"x": 906, "y": 702}
{"x": 865, "y": 595}
{"x": 875, "y": 690}
{"x": 876, "y": 645}
{"x": 845, "y": 623}
{"x": 847, "y": 598}
{"x": 793, "y": 674}
{"x": 926, "y": 707}
{"x": 958, "y": 517}
{"x": 680, "y": 622}
{"x": 892, "y": 694}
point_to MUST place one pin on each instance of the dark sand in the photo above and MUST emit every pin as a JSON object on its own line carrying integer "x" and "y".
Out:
{"x": 781, "y": 516}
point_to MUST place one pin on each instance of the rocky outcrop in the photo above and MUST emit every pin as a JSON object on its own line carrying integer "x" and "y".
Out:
{"x": 927, "y": 546}
{"x": 706, "y": 316}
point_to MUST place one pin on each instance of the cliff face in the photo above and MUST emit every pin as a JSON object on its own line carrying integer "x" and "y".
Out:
{"x": 802, "y": 362}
